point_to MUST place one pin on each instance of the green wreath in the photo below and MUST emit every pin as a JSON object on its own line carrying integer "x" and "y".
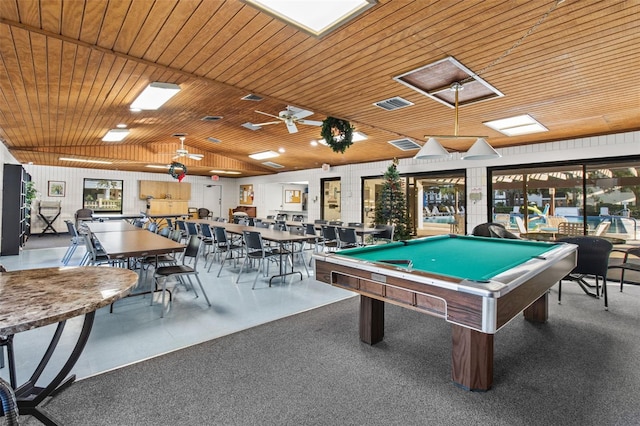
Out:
{"x": 337, "y": 133}
{"x": 177, "y": 175}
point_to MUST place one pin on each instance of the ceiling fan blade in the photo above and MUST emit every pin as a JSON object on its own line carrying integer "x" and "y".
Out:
{"x": 270, "y": 115}
{"x": 196, "y": 157}
{"x": 299, "y": 113}
{"x": 291, "y": 127}
{"x": 176, "y": 157}
{"x": 267, "y": 123}
{"x": 310, "y": 122}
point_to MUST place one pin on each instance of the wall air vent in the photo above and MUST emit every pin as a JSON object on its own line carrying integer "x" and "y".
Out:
{"x": 393, "y": 103}
{"x": 274, "y": 165}
{"x": 251, "y": 97}
{"x": 211, "y": 118}
{"x": 214, "y": 140}
{"x": 405, "y": 144}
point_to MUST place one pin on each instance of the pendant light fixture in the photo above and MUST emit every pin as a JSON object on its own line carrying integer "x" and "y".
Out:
{"x": 432, "y": 149}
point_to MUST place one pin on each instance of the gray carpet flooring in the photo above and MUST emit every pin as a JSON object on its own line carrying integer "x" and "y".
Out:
{"x": 581, "y": 368}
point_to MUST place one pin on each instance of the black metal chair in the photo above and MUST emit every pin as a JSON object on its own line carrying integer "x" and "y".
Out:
{"x": 628, "y": 264}
{"x": 182, "y": 270}
{"x": 347, "y": 238}
{"x": 385, "y": 233}
{"x": 329, "y": 240}
{"x": 593, "y": 260}
{"x": 225, "y": 245}
{"x": 493, "y": 230}
{"x": 256, "y": 250}
{"x": 76, "y": 240}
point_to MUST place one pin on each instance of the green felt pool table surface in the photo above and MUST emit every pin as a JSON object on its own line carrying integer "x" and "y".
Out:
{"x": 470, "y": 258}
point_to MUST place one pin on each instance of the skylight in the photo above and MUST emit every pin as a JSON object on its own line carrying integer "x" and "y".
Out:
{"x": 518, "y": 125}
{"x": 315, "y": 17}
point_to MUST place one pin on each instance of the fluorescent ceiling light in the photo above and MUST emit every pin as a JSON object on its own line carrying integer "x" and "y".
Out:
{"x": 225, "y": 172}
{"x": 154, "y": 96}
{"x": 115, "y": 135}
{"x": 518, "y": 125}
{"x": 315, "y": 17}
{"x": 155, "y": 166}
{"x": 358, "y": 136}
{"x": 80, "y": 160}
{"x": 264, "y": 155}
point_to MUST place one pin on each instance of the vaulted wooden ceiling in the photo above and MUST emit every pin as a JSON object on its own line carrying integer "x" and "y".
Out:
{"x": 69, "y": 70}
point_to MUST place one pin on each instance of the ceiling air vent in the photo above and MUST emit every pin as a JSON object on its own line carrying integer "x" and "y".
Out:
{"x": 214, "y": 140}
{"x": 393, "y": 103}
{"x": 251, "y": 97}
{"x": 405, "y": 144}
{"x": 211, "y": 118}
{"x": 274, "y": 165}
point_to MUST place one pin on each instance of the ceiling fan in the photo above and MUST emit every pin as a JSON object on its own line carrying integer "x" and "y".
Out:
{"x": 182, "y": 152}
{"x": 290, "y": 117}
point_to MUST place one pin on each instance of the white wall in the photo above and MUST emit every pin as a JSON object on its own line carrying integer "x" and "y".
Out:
{"x": 202, "y": 193}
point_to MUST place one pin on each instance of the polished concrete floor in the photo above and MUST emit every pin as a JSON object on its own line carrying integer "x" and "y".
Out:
{"x": 135, "y": 331}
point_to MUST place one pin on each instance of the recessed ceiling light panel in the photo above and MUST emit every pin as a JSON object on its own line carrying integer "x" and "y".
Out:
{"x": 264, "y": 155}
{"x": 115, "y": 135}
{"x": 518, "y": 125}
{"x": 154, "y": 96}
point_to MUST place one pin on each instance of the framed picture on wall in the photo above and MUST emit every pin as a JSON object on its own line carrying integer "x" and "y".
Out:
{"x": 56, "y": 188}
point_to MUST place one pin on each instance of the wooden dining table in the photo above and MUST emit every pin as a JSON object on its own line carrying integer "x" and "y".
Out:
{"x": 39, "y": 297}
{"x": 111, "y": 226}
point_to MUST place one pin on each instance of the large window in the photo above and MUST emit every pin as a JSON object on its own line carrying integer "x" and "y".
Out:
{"x": 102, "y": 196}
{"x": 435, "y": 202}
{"x": 538, "y": 198}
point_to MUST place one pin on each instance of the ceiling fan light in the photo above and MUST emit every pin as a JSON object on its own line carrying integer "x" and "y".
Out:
{"x": 481, "y": 150}
{"x": 432, "y": 150}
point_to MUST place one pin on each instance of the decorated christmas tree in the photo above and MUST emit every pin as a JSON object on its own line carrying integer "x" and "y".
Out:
{"x": 391, "y": 205}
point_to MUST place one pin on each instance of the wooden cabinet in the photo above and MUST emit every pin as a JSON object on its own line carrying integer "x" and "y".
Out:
{"x": 16, "y": 219}
{"x": 162, "y": 190}
{"x": 160, "y": 207}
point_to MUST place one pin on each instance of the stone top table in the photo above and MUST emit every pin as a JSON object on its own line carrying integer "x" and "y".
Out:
{"x": 38, "y": 297}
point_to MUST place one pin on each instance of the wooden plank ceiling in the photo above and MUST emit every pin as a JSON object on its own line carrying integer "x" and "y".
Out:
{"x": 69, "y": 70}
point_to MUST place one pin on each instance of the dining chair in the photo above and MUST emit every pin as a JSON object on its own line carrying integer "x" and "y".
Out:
{"x": 628, "y": 263}
{"x": 593, "y": 260}
{"x": 347, "y": 238}
{"x": 385, "y": 233}
{"x": 355, "y": 224}
{"x": 256, "y": 250}
{"x": 264, "y": 225}
{"x": 225, "y": 245}
{"x": 191, "y": 252}
{"x": 329, "y": 240}
{"x": 203, "y": 213}
{"x": 75, "y": 241}
{"x": 298, "y": 248}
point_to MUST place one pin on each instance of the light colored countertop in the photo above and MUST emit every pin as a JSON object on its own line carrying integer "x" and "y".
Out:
{"x": 37, "y": 297}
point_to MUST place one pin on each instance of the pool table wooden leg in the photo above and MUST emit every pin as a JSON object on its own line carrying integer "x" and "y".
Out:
{"x": 471, "y": 358}
{"x": 371, "y": 320}
{"x": 538, "y": 311}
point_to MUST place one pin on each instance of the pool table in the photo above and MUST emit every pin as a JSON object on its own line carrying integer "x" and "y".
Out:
{"x": 477, "y": 284}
